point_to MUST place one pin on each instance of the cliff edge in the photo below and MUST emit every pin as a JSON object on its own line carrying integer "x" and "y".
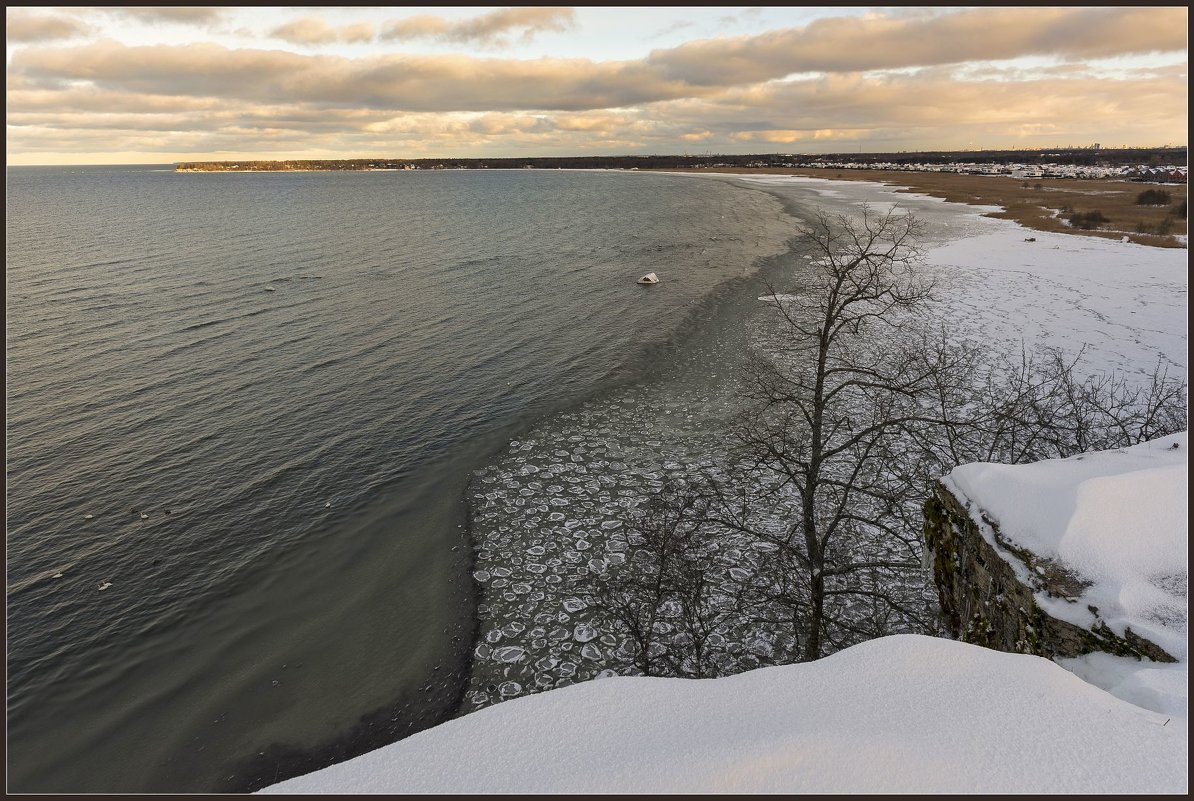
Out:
{"x": 1067, "y": 558}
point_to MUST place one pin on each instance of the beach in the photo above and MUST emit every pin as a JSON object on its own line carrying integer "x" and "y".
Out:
{"x": 1037, "y": 203}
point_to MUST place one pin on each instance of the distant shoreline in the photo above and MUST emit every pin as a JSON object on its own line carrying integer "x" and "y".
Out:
{"x": 1105, "y": 207}
{"x": 1039, "y": 204}
{"x": 1056, "y": 162}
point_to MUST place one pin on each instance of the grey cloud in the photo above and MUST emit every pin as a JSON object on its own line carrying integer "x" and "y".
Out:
{"x": 90, "y": 99}
{"x": 940, "y": 103}
{"x": 741, "y": 16}
{"x": 113, "y": 122}
{"x": 678, "y": 25}
{"x": 185, "y": 15}
{"x": 490, "y": 28}
{"x": 197, "y": 99}
{"x": 200, "y": 69}
{"x": 699, "y": 69}
{"x": 416, "y": 83}
{"x": 247, "y": 118}
{"x": 314, "y": 30}
{"x": 805, "y": 113}
{"x": 852, "y": 44}
{"x": 22, "y": 26}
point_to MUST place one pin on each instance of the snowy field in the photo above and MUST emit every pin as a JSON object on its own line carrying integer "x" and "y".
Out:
{"x": 1125, "y": 303}
{"x": 899, "y": 714}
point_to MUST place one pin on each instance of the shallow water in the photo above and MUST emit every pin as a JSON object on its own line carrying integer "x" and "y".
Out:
{"x": 249, "y": 404}
{"x": 550, "y": 510}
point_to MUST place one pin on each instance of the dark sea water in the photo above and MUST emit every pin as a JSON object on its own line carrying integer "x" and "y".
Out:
{"x": 242, "y": 412}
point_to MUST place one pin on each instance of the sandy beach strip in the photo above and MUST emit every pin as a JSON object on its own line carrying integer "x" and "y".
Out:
{"x": 1037, "y": 203}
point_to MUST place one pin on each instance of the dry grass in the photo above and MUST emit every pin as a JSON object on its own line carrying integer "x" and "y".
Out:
{"x": 1039, "y": 203}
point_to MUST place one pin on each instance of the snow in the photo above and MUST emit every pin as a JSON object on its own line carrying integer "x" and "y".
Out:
{"x": 1119, "y": 520}
{"x": 1157, "y": 686}
{"x": 900, "y": 714}
{"x": 1125, "y": 303}
{"x": 1124, "y": 307}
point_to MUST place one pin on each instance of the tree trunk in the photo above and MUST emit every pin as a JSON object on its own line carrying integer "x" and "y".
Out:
{"x": 812, "y": 647}
{"x": 816, "y": 556}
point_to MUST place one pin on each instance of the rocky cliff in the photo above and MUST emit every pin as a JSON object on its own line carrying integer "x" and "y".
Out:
{"x": 989, "y": 590}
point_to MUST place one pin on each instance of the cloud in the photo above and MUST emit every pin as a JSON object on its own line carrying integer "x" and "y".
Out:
{"x": 813, "y": 115}
{"x": 678, "y": 25}
{"x": 415, "y": 83}
{"x": 937, "y": 106}
{"x": 313, "y": 30}
{"x": 874, "y": 42}
{"x": 744, "y": 15}
{"x": 21, "y": 26}
{"x": 182, "y": 15}
{"x": 400, "y": 82}
{"x": 905, "y": 88}
{"x": 487, "y": 29}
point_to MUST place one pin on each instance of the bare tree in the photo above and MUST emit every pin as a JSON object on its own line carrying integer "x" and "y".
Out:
{"x": 1045, "y": 405}
{"x": 836, "y": 402}
{"x": 856, "y": 407}
{"x": 701, "y": 609}
{"x": 669, "y": 598}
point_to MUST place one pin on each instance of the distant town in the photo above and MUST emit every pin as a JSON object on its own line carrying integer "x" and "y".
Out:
{"x": 1153, "y": 165}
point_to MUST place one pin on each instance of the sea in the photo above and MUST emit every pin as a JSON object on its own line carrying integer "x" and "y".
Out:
{"x": 256, "y": 422}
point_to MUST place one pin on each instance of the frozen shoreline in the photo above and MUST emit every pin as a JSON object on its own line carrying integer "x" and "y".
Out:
{"x": 1004, "y": 283}
{"x": 987, "y": 268}
{"x": 527, "y": 552}
{"x": 549, "y": 506}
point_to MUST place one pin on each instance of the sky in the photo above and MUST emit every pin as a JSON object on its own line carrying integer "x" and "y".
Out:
{"x": 166, "y": 84}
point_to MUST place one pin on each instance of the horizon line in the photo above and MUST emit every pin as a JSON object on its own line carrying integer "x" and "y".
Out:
{"x": 613, "y": 156}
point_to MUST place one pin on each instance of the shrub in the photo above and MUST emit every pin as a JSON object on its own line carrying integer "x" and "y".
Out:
{"x": 1087, "y": 220}
{"x": 1179, "y": 210}
{"x": 1154, "y": 197}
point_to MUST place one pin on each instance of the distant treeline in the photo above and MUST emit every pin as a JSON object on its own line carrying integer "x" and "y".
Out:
{"x": 1106, "y": 157}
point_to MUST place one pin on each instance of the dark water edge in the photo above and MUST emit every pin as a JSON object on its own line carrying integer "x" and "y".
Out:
{"x": 411, "y": 713}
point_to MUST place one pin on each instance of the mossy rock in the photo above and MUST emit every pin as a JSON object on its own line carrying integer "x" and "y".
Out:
{"x": 983, "y": 600}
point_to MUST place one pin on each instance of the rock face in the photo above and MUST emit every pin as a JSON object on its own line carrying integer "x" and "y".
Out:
{"x": 985, "y": 600}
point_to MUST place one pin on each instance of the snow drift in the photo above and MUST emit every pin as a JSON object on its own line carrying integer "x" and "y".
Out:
{"x": 900, "y": 714}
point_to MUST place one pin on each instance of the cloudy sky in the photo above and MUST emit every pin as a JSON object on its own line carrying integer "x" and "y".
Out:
{"x": 157, "y": 85}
